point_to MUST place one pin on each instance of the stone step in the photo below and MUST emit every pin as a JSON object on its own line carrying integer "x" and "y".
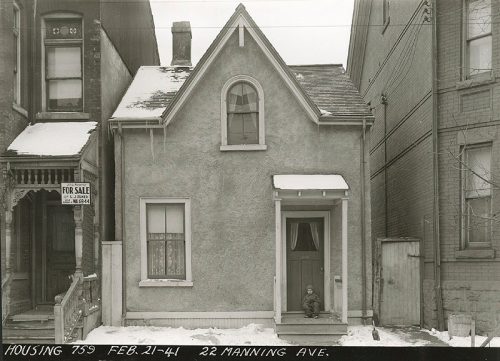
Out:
{"x": 28, "y": 339}
{"x": 311, "y": 339}
{"x": 327, "y": 328}
{"x": 27, "y": 332}
{"x": 29, "y": 325}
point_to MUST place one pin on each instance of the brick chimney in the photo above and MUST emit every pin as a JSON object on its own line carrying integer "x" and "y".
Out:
{"x": 181, "y": 43}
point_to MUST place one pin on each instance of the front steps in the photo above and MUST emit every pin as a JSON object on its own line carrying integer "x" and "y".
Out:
{"x": 35, "y": 326}
{"x": 323, "y": 331}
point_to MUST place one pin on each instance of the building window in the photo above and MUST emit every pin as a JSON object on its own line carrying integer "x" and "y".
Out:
{"x": 476, "y": 195}
{"x": 16, "y": 31}
{"x": 166, "y": 241}
{"x": 242, "y": 114}
{"x": 63, "y": 64}
{"x": 478, "y": 37}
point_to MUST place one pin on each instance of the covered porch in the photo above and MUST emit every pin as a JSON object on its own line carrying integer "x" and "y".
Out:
{"x": 50, "y": 287}
{"x": 311, "y": 249}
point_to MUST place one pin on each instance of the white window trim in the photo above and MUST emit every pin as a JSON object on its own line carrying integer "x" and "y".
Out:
{"x": 164, "y": 282}
{"x": 465, "y": 243}
{"x": 43, "y": 60}
{"x": 17, "y": 33}
{"x": 465, "y": 46}
{"x": 223, "y": 115}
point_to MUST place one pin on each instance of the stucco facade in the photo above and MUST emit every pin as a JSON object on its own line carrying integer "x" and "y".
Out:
{"x": 232, "y": 199}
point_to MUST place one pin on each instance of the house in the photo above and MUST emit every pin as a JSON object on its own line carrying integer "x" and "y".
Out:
{"x": 64, "y": 67}
{"x": 430, "y": 80}
{"x": 238, "y": 182}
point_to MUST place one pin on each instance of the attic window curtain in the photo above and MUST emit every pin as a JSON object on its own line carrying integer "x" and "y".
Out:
{"x": 242, "y": 114}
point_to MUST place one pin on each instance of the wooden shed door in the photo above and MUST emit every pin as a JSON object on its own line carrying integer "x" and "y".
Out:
{"x": 400, "y": 283}
{"x": 304, "y": 254}
{"x": 60, "y": 249}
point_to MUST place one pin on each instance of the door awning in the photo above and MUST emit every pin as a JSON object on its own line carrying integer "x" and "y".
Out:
{"x": 322, "y": 182}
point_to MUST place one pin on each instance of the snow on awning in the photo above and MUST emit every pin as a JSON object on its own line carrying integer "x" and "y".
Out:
{"x": 309, "y": 181}
{"x": 52, "y": 139}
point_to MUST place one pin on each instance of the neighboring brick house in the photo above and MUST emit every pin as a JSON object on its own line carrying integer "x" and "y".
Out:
{"x": 434, "y": 147}
{"x": 64, "y": 66}
{"x": 238, "y": 182}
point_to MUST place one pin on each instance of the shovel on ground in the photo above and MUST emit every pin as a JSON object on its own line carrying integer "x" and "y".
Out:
{"x": 375, "y": 334}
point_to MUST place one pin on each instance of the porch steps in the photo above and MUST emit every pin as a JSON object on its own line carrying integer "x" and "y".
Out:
{"x": 26, "y": 328}
{"x": 323, "y": 331}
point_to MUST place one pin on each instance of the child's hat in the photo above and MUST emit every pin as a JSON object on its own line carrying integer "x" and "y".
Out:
{"x": 309, "y": 287}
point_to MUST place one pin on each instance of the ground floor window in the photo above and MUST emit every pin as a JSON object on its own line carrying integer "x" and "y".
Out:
{"x": 165, "y": 233}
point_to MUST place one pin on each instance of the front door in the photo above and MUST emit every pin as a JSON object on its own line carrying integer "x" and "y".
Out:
{"x": 60, "y": 249}
{"x": 304, "y": 259}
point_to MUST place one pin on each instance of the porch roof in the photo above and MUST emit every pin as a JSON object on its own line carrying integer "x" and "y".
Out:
{"x": 52, "y": 139}
{"x": 309, "y": 182}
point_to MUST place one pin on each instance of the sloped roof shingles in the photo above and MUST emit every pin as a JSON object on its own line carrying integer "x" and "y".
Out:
{"x": 328, "y": 86}
{"x": 331, "y": 89}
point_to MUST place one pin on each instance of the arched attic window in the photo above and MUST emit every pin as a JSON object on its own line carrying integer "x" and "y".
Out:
{"x": 242, "y": 115}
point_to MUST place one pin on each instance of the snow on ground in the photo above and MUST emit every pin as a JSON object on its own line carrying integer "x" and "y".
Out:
{"x": 462, "y": 341}
{"x": 362, "y": 336}
{"x": 249, "y": 335}
{"x": 256, "y": 335}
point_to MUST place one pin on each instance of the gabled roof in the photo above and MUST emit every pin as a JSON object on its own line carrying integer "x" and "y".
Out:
{"x": 325, "y": 91}
{"x": 240, "y": 19}
{"x": 52, "y": 139}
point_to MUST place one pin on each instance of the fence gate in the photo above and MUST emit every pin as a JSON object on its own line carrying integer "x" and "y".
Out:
{"x": 399, "y": 281}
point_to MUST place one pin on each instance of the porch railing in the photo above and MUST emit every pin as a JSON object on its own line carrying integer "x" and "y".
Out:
{"x": 42, "y": 176}
{"x": 68, "y": 311}
{"x": 5, "y": 297}
{"x": 91, "y": 294}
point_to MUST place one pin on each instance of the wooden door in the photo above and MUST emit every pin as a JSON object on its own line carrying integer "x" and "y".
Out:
{"x": 400, "y": 283}
{"x": 60, "y": 250}
{"x": 304, "y": 259}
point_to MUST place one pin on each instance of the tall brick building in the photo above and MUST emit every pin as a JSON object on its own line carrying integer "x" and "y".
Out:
{"x": 429, "y": 71}
{"x": 64, "y": 65}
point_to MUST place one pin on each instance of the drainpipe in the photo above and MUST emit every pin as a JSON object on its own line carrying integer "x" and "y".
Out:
{"x": 33, "y": 54}
{"x": 435, "y": 173}
{"x": 363, "y": 225}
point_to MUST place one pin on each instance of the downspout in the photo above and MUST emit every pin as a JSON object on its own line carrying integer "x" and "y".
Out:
{"x": 435, "y": 172}
{"x": 383, "y": 100}
{"x": 32, "y": 78}
{"x": 363, "y": 225}
{"x": 122, "y": 211}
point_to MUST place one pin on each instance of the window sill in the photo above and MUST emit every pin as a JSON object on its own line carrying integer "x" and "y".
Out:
{"x": 18, "y": 108}
{"x": 244, "y": 147}
{"x": 475, "y": 253}
{"x": 165, "y": 283}
{"x": 478, "y": 80}
{"x": 62, "y": 116}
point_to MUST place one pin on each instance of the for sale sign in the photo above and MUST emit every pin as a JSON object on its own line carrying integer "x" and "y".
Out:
{"x": 75, "y": 193}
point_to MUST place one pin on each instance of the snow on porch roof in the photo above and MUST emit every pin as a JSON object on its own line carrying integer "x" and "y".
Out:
{"x": 310, "y": 181}
{"x": 52, "y": 139}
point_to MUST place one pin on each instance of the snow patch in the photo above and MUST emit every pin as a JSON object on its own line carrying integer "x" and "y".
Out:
{"x": 462, "y": 341}
{"x": 52, "y": 139}
{"x": 150, "y": 92}
{"x": 310, "y": 181}
{"x": 325, "y": 112}
{"x": 252, "y": 334}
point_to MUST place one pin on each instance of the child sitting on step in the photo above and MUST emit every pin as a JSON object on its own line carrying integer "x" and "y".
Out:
{"x": 311, "y": 303}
